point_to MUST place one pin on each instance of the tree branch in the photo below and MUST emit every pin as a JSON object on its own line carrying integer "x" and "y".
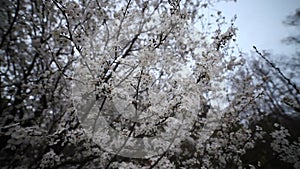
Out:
{"x": 278, "y": 70}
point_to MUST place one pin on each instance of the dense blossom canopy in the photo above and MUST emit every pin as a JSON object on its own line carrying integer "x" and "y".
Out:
{"x": 131, "y": 84}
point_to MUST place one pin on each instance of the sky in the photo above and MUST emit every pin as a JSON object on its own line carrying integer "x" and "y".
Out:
{"x": 260, "y": 23}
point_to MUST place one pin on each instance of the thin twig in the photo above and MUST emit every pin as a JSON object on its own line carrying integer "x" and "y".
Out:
{"x": 278, "y": 70}
{"x": 11, "y": 25}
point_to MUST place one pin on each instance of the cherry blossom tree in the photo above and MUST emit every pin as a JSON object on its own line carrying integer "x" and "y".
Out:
{"x": 278, "y": 110}
{"x": 275, "y": 115}
{"x": 123, "y": 84}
